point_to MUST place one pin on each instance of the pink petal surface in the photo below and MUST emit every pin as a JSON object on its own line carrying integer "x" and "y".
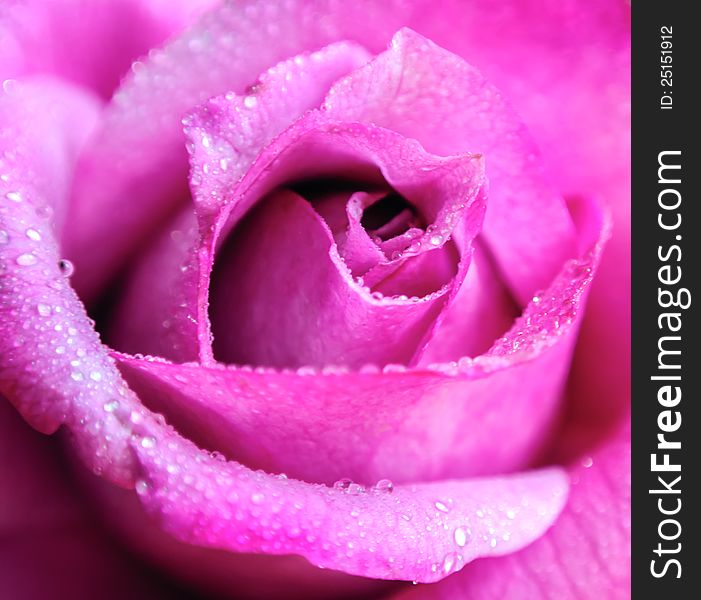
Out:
{"x": 56, "y": 372}
{"x": 159, "y": 314}
{"x": 425, "y": 92}
{"x": 139, "y": 148}
{"x": 323, "y": 426}
{"x": 213, "y": 503}
{"x": 445, "y": 190}
{"x": 47, "y": 529}
{"x": 307, "y": 310}
{"x": 482, "y": 311}
{"x": 88, "y": 43}
{"x": 53, "y": 367}
{"x": 586, "y": 554}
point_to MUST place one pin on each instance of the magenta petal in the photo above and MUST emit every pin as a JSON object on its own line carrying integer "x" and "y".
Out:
{"x": 584, "y": 556}
{"x": 482, "y": 311}
{"x": 307, "y": 310}
{"x": 445, "y": 189}
{"x": 46, "y": 528}
{"x": 427, "y": 93}
{"x": 461, "y": 410}
{"x": 157, "y": 309}
{"x": 209, "y": 502}
{"x": 53, "y": 367}
{"x": 227, "y": 133}
{"x": 139, "y": 148}
{"x": 89, "y": 43}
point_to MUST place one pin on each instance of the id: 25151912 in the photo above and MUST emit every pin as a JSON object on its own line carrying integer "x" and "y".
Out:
{"x": 666, "y": 67}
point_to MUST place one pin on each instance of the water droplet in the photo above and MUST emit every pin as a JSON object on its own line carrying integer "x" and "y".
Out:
{"x": 33, "y": 234}
{"x": 461, "y": 536}
{"x": 44, "y": 211}
{"x": 14, "y": 196}
{"x": 9, "y": 85}
{"x": 96, "y": 375}
{"x": 250, "y": 101}
{"x": 510, "y": 514}
{"x": 141, "y": 487}
{"x": 436, "y": 240}
{"x": 66, "y": 267}
{"x": 384, "y": 486}
{"x": 349, "y": 486}
{"x": 111, "y": 406}
{"x": 587, "y": 462}
{"x": 4, "y": 237}
{"x": 440, "y": 506}
{"x": 257, "y": 497}
{"x": 449, "y": 562}
{"x": 26, "y": 260}
{"x": 76, "y": 376}
{"x": 44, "y": 310}
{"x": 148, "y": 442}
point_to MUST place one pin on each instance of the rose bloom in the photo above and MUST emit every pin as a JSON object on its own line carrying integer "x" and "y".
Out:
{"x": 302, "y": 286}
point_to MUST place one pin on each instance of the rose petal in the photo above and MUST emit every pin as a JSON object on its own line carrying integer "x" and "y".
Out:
{"x": 586, "y": 554}
{"x": 78, "y": 387}
{"x": 443, "y": 189}
{"x": 89, "y": 43}
{"x": 139, "y": 148}
{"x": 322, "y": 426}
{"x": 53, "y": 367}
{"x": 46, "y": 527}
{"x": 158, "y": 314}
{"x": 283, "y": 297}
{"x": 425, "y": 92}
{"x": 482, "y": 311}
{"x": 419, "y": 532}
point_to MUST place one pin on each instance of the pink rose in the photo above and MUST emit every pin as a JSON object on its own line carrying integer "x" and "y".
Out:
{"x": 339, "y": 279}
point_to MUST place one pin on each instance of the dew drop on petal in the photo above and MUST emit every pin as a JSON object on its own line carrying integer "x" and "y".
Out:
{"x": 33, "y": 234}
{"x": 66, "y": 267}
{"x": 26, "y": 260}
{"x": 440, "y": 506}
{"x": 449, "y": 562}
{"x": 384, "y": 486}
{"x": 461, "y": 536}
{"x": 111, "y": 406}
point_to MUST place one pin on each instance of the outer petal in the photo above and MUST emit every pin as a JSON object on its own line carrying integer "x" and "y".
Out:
{"x": 52, "y": 365}
{"x": 89, "y": 43}
{"x": 50, "y": 543}
{"x": 418, "y": 532}
{"x": 586, "y": 555}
